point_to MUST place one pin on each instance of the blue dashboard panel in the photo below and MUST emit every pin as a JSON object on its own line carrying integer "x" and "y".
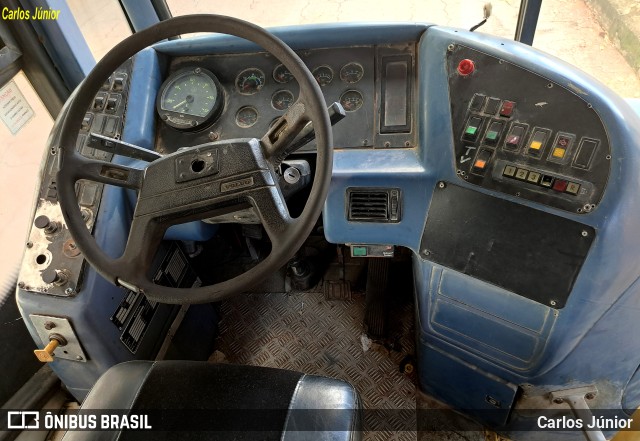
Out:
{"x": 549, "y": 349}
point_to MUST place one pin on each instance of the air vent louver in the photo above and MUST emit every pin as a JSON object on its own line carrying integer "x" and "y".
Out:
{"x": 373, "y": 205}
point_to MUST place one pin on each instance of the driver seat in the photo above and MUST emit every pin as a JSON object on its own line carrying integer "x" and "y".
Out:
{"x": 203, "y": 401}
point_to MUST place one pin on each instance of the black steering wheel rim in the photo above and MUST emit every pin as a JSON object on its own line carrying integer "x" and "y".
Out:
{"x": 114, "y": 270}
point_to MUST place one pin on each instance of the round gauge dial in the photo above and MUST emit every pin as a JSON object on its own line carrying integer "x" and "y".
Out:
{"x": 250, "y": 81}
{"x": 246, "y": 117}
{"x": 190, "y": 98}
{"x": 281, "y": 74}
{"x": 323, "y": 75}
{"x": 282, "y": 100}
{"x": 351, "y": 100}
{"x": 351, "y": 73}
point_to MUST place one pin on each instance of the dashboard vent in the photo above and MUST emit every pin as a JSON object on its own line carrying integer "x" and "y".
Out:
{"x": 373, "y": 204}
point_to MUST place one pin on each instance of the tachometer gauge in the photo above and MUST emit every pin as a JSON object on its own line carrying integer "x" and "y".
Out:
{"x": 351, "y": 73}
{"x": 246, "y": 117}
{"x": 250, "y": 81}
{"x": 351, "y": 100}
{"x": 281, "y": 74}
{"x": 282, "y": 100}
{"x": 323, "y": 75}
{"x": 190, "y": 98}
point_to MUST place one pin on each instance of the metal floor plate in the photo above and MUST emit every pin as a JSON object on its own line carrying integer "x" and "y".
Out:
{"x": 306, "y": 333}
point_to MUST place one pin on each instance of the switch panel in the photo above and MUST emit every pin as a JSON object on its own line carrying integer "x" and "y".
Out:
{"x": 516, "y": 135}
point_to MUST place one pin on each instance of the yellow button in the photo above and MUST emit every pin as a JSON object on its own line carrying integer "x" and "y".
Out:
{"x": 535, "y": 145}
{"x": 559, "y": 152}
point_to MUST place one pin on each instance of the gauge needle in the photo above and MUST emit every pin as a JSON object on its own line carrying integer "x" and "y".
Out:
{"x": 179, "y": 104}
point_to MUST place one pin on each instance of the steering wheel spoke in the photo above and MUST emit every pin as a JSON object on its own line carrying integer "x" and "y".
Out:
{"x": 273, "y": 212}
{"x": 143, "y": 243}
{"x": 105, "y": 172}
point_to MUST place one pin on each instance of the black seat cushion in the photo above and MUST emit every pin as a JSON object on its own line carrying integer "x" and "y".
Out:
{"x": 202, "y": 401}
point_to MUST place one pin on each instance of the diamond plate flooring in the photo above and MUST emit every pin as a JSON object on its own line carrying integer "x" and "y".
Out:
{"x": 305, "y": 332}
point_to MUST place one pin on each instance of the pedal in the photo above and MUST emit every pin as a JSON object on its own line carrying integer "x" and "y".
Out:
{"x": 375, "y": 316}
{"x": 337, "y": 290}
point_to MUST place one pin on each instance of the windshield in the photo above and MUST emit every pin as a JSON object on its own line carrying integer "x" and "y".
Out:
{"x": 570, "y": 29}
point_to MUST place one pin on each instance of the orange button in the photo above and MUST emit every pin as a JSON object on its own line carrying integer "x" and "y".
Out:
{"x": 480, "y": 163}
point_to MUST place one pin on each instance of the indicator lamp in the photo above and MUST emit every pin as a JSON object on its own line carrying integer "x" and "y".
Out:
{"x": 466, "y": 67}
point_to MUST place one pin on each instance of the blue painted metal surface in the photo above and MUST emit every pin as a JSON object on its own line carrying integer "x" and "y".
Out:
{"x": 63, "y": 41}
{"x": 141, "y": 13}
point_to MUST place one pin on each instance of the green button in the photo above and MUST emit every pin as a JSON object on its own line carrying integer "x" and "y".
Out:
{"x": 492, "y": 135}
{"x": 359, "y": 251}
{"x": 471, "y": 130}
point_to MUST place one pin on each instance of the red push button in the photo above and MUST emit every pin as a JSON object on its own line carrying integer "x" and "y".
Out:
{"x": 466, "y": 67}
{"x": 507, "y": 108}
{"x": 560, "y": 185}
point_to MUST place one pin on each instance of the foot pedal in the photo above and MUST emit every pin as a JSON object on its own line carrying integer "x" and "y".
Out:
{"x": 337, "y": 290}
{"x": 375, "y": 309}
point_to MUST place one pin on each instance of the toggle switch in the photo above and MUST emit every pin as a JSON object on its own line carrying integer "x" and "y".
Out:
{"x": 46, "y": 355}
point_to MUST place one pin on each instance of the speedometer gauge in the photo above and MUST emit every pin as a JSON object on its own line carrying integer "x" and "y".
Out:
{"x": 190, "y": 98}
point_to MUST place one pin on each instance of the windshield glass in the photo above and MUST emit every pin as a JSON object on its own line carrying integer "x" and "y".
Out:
{"x": 581, "y": 32}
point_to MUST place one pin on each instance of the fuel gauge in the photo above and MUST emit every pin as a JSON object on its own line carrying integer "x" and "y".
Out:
{"x": 351, "y": 100}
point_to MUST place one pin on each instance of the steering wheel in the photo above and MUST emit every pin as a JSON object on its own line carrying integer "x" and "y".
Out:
{"x": 202, "y": 181}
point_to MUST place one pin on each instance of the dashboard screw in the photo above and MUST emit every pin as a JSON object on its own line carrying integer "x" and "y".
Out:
{"x": 558, "y": 401}
{"x": 585, "y": 233}
{"x": 407, "y": 144}
{"x": 21, "y": 285}
{"x": 590, "y": 396}
{"x": 441, "y": 184}
{"x": 451, "y": 47}
{"x": 49, "y": 326}
{"x": 69, "y": 291}
{"x": 79, "y": 358}
{"x": 387, "y": 144}
{"x": 213, "y": 136}
{"x": 426, "y": 252}
{"x": 553, "y": 303}
{"x": 29, "y": 244}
